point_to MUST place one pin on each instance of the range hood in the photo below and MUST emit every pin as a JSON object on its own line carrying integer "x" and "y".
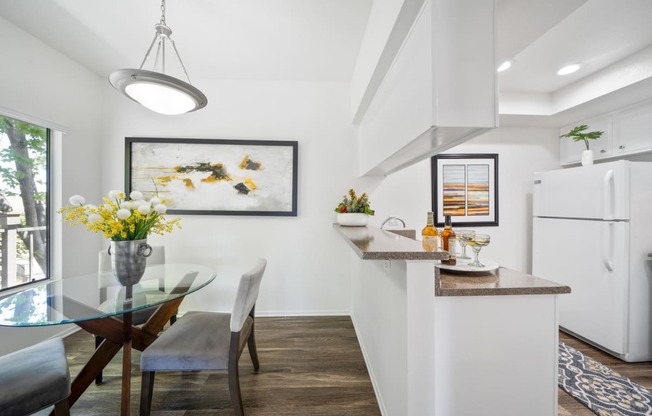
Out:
{"x": 439, "y": 90}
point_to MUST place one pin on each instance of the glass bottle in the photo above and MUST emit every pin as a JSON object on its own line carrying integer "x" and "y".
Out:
{"x": 449, "y": 240}
{"x": 429, "y": 235}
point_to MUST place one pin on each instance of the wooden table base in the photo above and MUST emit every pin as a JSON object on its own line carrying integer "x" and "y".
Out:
{"x": 118, "y": 335}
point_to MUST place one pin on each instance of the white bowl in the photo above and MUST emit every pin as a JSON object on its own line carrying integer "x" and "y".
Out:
{"x": 353, "y": 219}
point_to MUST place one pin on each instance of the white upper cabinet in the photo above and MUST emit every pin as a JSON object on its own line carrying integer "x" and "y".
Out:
{"x": 633, "y": 130}
{"x": 626, "y": 132}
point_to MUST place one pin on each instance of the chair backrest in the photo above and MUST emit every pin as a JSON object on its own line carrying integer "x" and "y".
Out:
{"x": 247, "y": 294}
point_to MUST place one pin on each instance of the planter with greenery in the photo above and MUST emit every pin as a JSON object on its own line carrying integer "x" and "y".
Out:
{"x": 354, "y": 210}
{"x": 577, "y": 134}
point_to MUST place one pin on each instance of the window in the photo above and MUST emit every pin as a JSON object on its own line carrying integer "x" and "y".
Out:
{"x": 24, "y": 202}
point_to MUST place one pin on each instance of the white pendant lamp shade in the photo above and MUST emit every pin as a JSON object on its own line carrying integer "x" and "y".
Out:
{"x": 155, "y": 90}
{"x": 158, "y": 92}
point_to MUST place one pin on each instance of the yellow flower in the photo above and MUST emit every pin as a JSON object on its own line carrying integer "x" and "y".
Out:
{"x": 117, "y": 222}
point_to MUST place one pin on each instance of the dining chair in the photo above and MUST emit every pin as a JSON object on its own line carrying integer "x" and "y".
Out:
{"x": 106, "y": 280}
{"x": 207, "y": 341}
{"x": 35, "y": 378}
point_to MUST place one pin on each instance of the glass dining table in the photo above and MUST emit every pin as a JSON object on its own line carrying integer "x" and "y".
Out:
{"x": 98, "y": 304}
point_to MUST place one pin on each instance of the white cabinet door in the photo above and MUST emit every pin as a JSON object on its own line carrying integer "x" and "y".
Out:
{"x": 571, "y": 152}
{"x": 633, "y": 130}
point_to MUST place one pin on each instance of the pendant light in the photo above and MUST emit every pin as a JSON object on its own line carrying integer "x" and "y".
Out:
{"x": 155, "y": 90}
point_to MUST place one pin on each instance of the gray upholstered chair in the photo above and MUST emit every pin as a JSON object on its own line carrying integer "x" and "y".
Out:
{"x": 35, "y": 378}
{"x": 207, "y": 341}
{"x": 106, "y": 280}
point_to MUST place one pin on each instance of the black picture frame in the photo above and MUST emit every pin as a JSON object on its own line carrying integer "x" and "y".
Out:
{"x": 465, "y": 186}
{"x": 215, "y": 176}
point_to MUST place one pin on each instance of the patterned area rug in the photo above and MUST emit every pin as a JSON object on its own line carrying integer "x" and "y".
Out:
{"x": 599, "y": 388}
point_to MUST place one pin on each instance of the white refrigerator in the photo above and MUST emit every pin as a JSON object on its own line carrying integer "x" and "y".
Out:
{"x": 592, "y": 230}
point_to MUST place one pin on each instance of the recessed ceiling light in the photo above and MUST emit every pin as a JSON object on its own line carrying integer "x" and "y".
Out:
{"x": 568, "y": 69}
{"x": 504, "y": 66}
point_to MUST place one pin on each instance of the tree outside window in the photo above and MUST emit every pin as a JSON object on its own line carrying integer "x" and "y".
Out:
{"x": 23, "y": 202}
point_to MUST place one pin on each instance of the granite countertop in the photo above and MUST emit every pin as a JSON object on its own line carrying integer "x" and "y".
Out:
{"x": 498, "y": 282}
{"x": 371, "y": 243}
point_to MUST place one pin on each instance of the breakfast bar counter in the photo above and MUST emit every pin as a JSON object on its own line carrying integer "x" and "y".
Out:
{"x": 502, "y": 281}
{"x": 446, "y": 342}
{"x": 371, "y": 243}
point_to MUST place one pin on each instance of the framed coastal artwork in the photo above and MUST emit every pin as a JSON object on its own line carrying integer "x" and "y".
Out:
{"x": 218, "y": 177}
{"x": 465, "y": 186}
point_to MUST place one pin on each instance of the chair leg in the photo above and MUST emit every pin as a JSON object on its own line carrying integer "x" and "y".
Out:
{"x": 253, "y": 352}
{"x": 146, "y": 392}
{"x": 98, "y": 341}
{"x": 62, "y": 408}
{"x": 234, "y": 376}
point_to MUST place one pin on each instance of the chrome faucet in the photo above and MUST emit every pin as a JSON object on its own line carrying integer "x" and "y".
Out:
{"x": 392, "y": 218}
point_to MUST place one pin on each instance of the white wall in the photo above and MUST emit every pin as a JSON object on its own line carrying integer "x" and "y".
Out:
{"x": 521, "y": 151}
{"x": 43, "y": 85}
{"x": 308, "y": 271}
{"x": 379, "y": 309}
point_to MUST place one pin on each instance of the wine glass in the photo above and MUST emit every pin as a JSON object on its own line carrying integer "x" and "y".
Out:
{"x": 476, "y": 243}
{"x": 461, "y": 235}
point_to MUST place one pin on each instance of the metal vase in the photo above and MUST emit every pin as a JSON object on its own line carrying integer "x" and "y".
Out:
{"x": 129, "y": 259}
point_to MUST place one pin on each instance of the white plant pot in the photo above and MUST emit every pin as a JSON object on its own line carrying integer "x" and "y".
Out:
{"x": 587, "y": 157}
{"x": 353, "y": 219}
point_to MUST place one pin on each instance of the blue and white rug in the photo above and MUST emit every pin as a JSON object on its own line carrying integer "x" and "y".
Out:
{"x": 600, "y": 388}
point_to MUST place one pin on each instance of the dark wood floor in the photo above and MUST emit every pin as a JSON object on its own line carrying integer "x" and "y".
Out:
{"x": 309, "y": 366}
{"x": 640, "y": 373}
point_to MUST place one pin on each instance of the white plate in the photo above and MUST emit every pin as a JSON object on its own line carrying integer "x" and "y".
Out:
{"x": 489, "y": 265}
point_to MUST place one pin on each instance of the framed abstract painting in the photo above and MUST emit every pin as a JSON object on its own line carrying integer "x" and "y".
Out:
{"x": 215, "y": 176}
{"x": 465, "y": 186}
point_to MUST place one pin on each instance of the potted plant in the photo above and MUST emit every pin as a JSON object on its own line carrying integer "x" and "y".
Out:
{"x": 354, "y": 210}
{"x": 578, "y": 134}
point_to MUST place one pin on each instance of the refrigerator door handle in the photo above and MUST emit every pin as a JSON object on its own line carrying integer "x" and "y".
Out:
{"x": 608, "y": 201}
{"x": 608, "y": 246}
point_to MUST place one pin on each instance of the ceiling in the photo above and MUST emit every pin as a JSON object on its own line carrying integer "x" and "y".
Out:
{"x": 318, "y": 40}
{"x": 307, "y": 40}
{"x": 541, "y": 36}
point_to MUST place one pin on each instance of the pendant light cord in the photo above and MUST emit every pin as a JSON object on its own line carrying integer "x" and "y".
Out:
{"x": 163, "y": 12}
{"x": 163, "y": 32}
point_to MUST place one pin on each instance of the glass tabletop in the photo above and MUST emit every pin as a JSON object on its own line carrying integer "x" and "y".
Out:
{"x": 99, "y": 295}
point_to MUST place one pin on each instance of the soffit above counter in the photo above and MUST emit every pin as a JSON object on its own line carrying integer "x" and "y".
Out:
{"x": 433, "y": 141}
{"x": 439, "y": 91}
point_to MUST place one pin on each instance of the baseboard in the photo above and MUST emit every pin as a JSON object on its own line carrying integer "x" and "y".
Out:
{"x": 303, "y": 313}
{"x": 66, "y": 332}
{"x": 374, "y": 383}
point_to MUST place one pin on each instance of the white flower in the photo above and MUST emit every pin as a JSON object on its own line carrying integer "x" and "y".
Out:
{"x": 136, "y": 195}
{"x": 107, "y": 207}
{"x": 113, "y": 195}
{"x": 160, "y": 208}
{"x": 123, "y": 214}
{"x": 144, "y": 209}
{"x": 90, "y": 207}
{"x": 92, "y": 218}
{"x": 77, "y": 200}
{"x": 155, "y": 200}
{"x": 126, "y": 205}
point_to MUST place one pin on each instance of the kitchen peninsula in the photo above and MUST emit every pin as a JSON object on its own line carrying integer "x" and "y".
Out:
{"x": 446, "y": 343}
